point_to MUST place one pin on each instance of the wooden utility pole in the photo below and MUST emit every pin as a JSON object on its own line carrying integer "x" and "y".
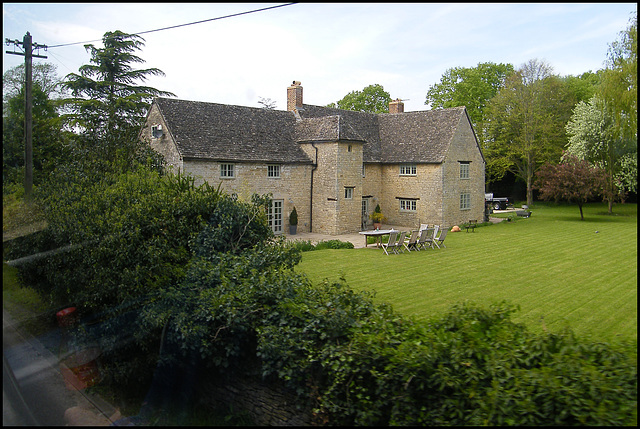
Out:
{"x": 28, "y": 46}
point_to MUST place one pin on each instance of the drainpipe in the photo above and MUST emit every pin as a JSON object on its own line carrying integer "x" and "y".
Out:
{"x": 315, "y": 165}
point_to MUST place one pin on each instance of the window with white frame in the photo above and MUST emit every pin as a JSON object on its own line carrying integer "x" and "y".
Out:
{"x": 273, "y": 171}
{"x": 464, "y": 170}
{"x": 465, "y": 201}
{"x": 408, "y": 205}
{"x": 408, "y": 170}
{"x": 348, "y": 193}
{"x": 227, "y": 171}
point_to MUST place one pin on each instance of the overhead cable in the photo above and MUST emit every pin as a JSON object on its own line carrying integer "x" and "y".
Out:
{"x": 183, "y": 25}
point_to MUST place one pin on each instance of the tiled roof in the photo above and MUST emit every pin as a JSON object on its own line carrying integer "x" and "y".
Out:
{"x": 236, "y": 133}
{"x": 326, "y": 129}
{"x": 231, "y": 133}
{"x": 421, "y": 137}
{"x": 361, "y": 126}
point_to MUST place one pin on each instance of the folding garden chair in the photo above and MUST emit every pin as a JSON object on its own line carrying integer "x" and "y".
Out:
{"x": 390, "y": 245}
{"x": 413, "y": 241}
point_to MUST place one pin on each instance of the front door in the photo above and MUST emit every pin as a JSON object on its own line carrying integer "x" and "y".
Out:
{"x": 275, "y": 216}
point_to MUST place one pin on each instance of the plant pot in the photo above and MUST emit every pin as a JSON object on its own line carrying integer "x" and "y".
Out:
{"x": 377, "y": 225}
{"x": 293, "y": 229}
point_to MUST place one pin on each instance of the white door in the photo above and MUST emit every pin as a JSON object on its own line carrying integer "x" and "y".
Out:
{"x": 275, "y": 216}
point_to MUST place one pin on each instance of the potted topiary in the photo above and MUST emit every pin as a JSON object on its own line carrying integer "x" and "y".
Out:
{"x": 377, "y": 217}
{"x": 293, "y": 222}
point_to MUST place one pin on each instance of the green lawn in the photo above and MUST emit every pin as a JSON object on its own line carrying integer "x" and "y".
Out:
{"x": 558, "y": 269}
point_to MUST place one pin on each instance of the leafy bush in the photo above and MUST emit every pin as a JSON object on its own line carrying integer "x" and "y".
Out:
{"x": 476, "y": 367}
{"x": 40, "y": 241}
{"x": 302, "y": 245}
{"x": 334, "y": 244}
{"x": 136, "y": 234}
{"x": 15, "y": 212}
{"x": 307, "y": 246}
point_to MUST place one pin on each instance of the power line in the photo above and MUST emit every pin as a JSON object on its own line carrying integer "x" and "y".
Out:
{"x": 184, "y": 25}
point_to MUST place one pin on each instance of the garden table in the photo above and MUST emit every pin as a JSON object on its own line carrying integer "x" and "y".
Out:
{"x": 378, "y": 233}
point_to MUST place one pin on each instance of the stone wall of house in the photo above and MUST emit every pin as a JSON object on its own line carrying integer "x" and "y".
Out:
{"x": 425, "y": 188}
{"x": 436, "y": 188}
{"x": 463, "y": 149}
{"x": 349, "y": 178}
{"x": 339, "y": 166}
{"x": 325, "y": 192}
{"x": 164, "y": 144}
{"x": 292, "y": 187}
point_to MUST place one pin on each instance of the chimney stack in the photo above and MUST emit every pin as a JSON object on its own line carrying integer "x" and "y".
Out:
{"x": 396, "y": 106}
{"x": 294, "y": 96}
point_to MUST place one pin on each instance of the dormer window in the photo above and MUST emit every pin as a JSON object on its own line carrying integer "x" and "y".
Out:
{"x": 156, "y": 131}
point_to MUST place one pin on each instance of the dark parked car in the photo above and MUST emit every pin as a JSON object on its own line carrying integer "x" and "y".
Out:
{"x": 497, "y": 203}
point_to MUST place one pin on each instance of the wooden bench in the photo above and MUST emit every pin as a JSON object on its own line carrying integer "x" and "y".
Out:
{"x": 472, "y": 224}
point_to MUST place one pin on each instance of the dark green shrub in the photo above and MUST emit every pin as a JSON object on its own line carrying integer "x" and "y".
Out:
{"x": 302, "y": 245}
{"x": 334, "y": 244}
{"x": 40, "y": 241}
{"x": 476, "y": 367}
{"x": 293, "y": 217}
{"x": 357, "y": 363}
{"x": 307, "y": 246}
{"x": 137, "y": 233}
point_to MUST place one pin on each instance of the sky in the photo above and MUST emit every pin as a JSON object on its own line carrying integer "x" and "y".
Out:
{"x": 331, "y": 48}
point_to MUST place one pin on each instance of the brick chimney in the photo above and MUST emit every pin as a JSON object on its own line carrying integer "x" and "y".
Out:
{"x": 396, "y": 106}
{"x": 294, "y": 96}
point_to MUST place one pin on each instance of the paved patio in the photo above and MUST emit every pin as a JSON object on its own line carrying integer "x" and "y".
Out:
{"x": 355, "y": 238}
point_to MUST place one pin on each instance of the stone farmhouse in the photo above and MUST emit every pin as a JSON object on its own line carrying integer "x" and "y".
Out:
{"x": 334, "y": 166}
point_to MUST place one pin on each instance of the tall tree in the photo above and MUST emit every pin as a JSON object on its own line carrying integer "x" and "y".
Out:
{"x": 525, "y": 123}
{"x": 584, "y": 86}
{"x": 107, "y": 103}
{"x": 470, "y": 87}
{"x": 48, "y": 137}
{"x": 44, "y": 75}
{"x": 573, "y": 180}
{"x": 593, "y": 137}
{"x": 372, "y": 99}
{"x": 619, "y": 87}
